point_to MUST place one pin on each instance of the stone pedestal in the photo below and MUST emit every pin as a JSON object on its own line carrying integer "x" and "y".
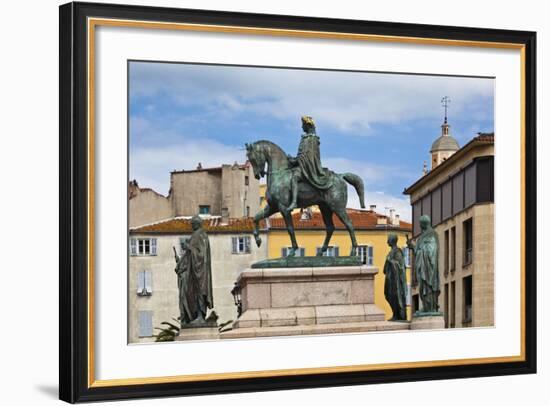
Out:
{"x": 207, "y": 332}
{"x": 308, "y": 300}
{"x": 427, "y": 321}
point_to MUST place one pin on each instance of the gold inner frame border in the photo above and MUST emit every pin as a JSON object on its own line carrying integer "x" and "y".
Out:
{"x": 94, "y": 22}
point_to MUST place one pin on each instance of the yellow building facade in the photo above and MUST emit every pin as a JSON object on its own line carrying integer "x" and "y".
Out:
{"x": 371, "y": 230}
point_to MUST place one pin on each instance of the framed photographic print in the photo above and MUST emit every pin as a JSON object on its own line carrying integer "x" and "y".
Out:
{"x": 254, "y": 202}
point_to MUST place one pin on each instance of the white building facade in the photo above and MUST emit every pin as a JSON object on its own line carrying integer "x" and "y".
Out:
{"x": 152, "y": 281}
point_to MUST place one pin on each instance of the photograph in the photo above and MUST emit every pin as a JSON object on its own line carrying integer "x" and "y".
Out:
{"x": 257, "y": 202}
{"x": 281, "y": 201}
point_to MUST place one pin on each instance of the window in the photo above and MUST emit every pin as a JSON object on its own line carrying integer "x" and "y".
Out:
{"x": 145, "y": 323}
{"x": 144, "y": 283}
{"x": 417, "y": 212}
{"x": 446, "y": 252}
{"x": 246, "y": 180}
{"x": 300, "y": 252}
{"x": 452, "y": 305}
{"x": 143, "y": 246}
{"x": 452, "y": 266}
{"x": 330, "y": 252}
{"x": 447, "y": 200}
{"x": 436, "y": 207}
{"x": 446, "y": 305}
{"x": 205, "y": 209}
{"x": 467, "y": 231}
{"x": 458, "y": 192}
{"x": 240, "y": 245}
{"x": 467, "y": 294}
{"x": 415, "y": 303}
{"x": 366, "y": 254}
{"x": 247, "y": 211}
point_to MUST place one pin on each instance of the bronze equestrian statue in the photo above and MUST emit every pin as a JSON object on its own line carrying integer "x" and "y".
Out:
{"x": 302, "y": 182}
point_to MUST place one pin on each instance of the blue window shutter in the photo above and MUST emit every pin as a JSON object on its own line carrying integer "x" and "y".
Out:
{"x": 153, "y": 246}
{"x": 336, "y": 251}
{"x": 145, "y": 323}
{"x": 302, "y": 252}
{"x": 140, "y": 282}
{"x": 234, "y": 245}
{"x": 148, "y": 276}
{"x": 318, "y": 250}
{"x": 133, "y": 246}
{"x": 370, "y": 255}
{"x": 284, "y": 252}
{"x": 247, "y": 244}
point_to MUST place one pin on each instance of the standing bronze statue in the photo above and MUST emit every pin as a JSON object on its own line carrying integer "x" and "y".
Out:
{"x": 195, "y": 276}
{"x": 426, "y": 254}
{"x": 395, "y": 284}
{"x": 302, "y": 182}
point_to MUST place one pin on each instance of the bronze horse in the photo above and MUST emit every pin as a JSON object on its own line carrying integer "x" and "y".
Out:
{"x": 278, "y": 195}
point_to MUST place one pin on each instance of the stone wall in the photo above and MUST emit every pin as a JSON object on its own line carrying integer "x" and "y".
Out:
{"x": 195, "y": 188}
{"x": 147, "y": 206}
{"x": 481, "y": 269}
{"x": 164, "y": 300}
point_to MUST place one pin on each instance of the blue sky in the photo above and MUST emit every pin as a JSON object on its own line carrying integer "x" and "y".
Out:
{"x": 377, "y": 125}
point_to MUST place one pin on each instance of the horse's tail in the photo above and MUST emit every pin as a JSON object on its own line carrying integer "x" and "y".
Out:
{"x": 357, "y": 183}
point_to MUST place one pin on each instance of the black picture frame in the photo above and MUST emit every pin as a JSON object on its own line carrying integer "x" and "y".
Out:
{"x": 74, "y": 382}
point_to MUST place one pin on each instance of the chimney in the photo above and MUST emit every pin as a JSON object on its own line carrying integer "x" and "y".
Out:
{"x": 382, "y": 221}
{"x": 372, "y": 207}
{"x": 225, "y": 216}
{"x": 199, "y": 166}
{"x": 392, "y": 216}
{"x": 396, "y": 221}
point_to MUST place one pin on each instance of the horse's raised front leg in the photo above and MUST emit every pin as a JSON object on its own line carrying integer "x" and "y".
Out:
{"x": 262, "y": 214}
{"x": 344, "y": 218}
{"x": 326, "y": 212}
{"x": 290, "y": 228}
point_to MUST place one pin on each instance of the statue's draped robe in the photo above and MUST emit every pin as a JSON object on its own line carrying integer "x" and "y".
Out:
{"x": 395, "y": 285}
{"x": 309, "y": 160}
{"x": 426, "y": 268}
{"x": 188, "y": 301}
{"x": 200, "y": 265}
{"x": 195, "y": 277}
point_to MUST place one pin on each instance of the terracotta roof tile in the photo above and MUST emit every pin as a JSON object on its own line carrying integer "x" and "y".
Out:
{"x": 361, "y": 219}
{"x": 183, "y": 225}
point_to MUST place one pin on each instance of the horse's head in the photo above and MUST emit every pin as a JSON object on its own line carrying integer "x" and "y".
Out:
{"x": 256, "y": 157}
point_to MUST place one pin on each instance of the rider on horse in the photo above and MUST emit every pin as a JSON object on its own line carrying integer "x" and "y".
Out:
{"x": 307, "y": 164}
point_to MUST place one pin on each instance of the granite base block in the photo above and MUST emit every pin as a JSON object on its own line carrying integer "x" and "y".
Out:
{"x": 333, "y": 328}
{"x": 198, "y": 333}
{"x": 428, "y": 322}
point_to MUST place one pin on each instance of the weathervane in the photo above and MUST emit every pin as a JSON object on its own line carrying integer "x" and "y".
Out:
{"x": 445, "y": 101}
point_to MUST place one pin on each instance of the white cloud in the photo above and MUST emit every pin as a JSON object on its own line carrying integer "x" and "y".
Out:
{"x": 151, "y": 167}
{"x": 347, "y": 101}
{"x": 383, "y": 201}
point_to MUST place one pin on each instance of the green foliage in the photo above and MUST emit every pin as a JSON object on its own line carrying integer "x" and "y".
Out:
{"x": 168, "y": 333}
